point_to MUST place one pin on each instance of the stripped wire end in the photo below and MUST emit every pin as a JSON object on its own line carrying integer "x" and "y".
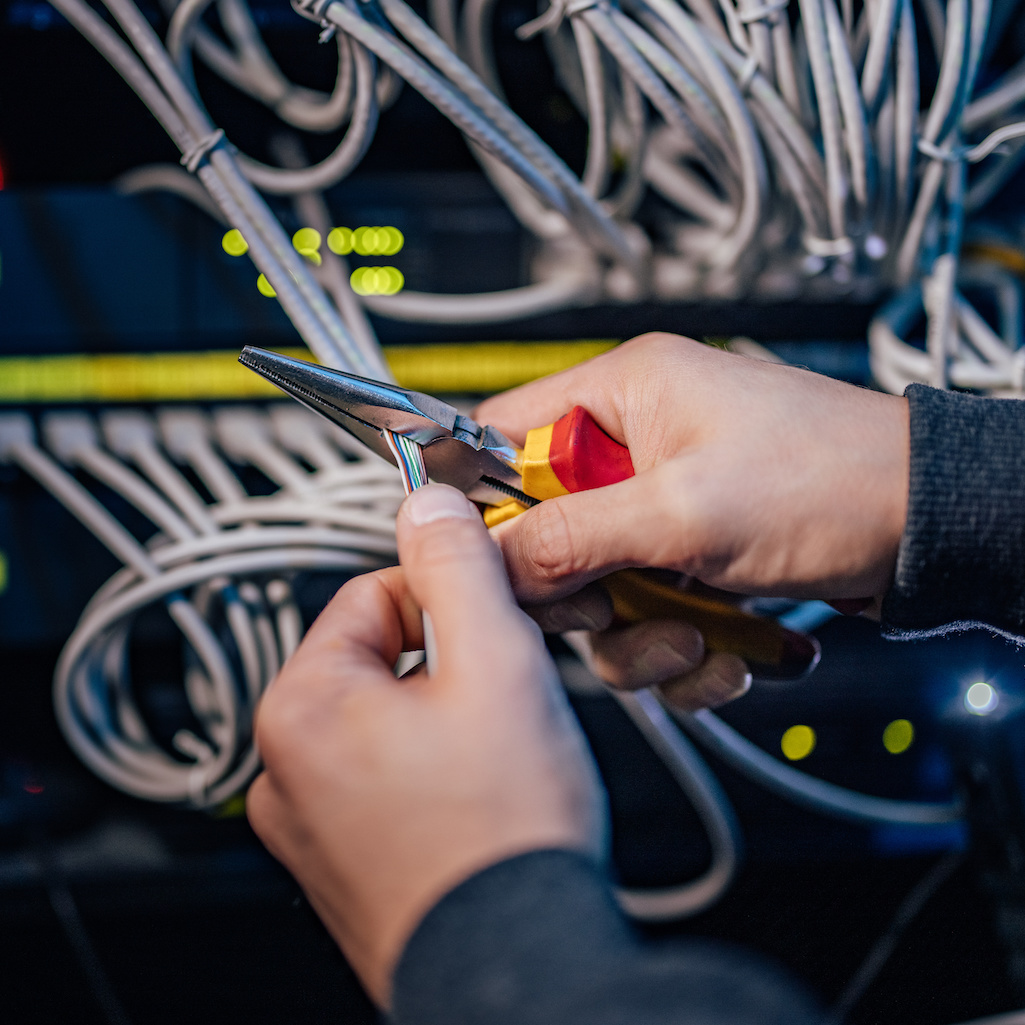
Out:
{"x": 409, "y": 458}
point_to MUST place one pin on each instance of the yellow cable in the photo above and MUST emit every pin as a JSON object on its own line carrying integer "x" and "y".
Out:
{"x": 477, "y": 367}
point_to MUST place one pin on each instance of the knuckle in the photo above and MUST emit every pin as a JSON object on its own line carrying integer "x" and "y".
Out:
{"x": 258, "y": 802}
{"x": 281, "y": 726}
{"x": 547, "y": 542}
{"x": 654, "y": 344}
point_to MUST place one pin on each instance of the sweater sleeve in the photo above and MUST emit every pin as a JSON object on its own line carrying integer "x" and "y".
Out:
{"x": 538, "y": 940}
{"x": 961, "y": 561}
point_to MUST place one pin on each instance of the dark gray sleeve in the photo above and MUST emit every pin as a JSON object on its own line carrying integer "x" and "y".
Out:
{"x": 538, "y": 940}
{"x": 962, "y": 557}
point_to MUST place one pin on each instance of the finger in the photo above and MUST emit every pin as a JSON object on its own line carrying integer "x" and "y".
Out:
{"x": 720, "y": 678}
{"x": 647, "y": 654}
{"x": 359, "y": 635}
{"x": 558, "y": 546}
{"x": 589, "y": 609}
{"x": 455, "y": 572}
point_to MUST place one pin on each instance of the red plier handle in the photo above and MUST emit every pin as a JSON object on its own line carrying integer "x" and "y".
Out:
{"x": 575, "y": 454}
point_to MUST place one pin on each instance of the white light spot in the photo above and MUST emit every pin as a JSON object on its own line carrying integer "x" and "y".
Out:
{"x": 812, "y": 265}
{"x": 875, "y": 247}
{"x": 981, "y": 699}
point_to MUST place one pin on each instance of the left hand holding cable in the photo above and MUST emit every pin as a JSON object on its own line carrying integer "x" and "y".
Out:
{"x": 380, "y": 794}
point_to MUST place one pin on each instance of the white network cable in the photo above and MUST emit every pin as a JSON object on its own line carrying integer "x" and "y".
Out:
{"x": 793, "y": 149}
{"x": 699, "y": 786}
{"x": 150, "y": 71}
{"x": 962, "y": 349}
{"x": 790, "y": 144}
{"x": 702, "y": 789}
{"x": 221, "y": 564}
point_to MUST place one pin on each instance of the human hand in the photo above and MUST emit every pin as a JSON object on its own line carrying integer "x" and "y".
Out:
{"x": 380, "y": 795}
{"x": 752, "y": 477}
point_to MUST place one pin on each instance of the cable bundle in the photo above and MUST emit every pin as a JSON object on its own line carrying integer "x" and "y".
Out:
{"x": 221, "y": 564}
{"x": 151, "y": 73}
{"x": 787, "y": 142}
{"x": 962, "y": 349}
{"x": 790, "y": 140}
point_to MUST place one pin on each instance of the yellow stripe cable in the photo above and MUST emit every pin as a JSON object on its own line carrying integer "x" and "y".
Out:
{"x": 216, "y": 375}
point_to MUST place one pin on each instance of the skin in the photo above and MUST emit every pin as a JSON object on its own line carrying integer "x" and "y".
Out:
{"x": 752, "y": 477}
{"x": 380, "y": 795}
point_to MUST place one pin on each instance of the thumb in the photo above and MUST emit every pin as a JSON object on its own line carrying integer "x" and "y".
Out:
{"x": 454, "y": 571}
{"x": 557, "y": 547}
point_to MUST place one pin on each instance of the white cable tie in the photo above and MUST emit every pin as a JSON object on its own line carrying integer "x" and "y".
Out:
{"x": 769, "y": 12}
{"x": 747, "y": 72}
{"x": 552, "y": 18}
{"x": 192, "y": 158}
{"x": 828, "y": 246}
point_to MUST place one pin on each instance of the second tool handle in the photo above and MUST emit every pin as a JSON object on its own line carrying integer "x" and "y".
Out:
{"x": 572, "y": 454}
{"x": 575, "y": 454}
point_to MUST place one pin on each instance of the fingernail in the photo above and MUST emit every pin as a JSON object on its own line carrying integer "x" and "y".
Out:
{"x": 567, "y": 615}
{"x": 437, "y": 502}
{"x": 736, "y": 692}
{"x": 661, "y": 660}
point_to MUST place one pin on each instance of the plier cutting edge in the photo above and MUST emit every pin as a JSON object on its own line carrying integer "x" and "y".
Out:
{"x": 573, "y": 454}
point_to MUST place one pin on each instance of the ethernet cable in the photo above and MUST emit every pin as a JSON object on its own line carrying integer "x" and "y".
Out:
{"x": 251, "y": 69}
{"x": 698, "y": 784}
{"x": 231, "y": 559}
{"x": 801, "y": 788}
{"x": 739, "y": 91}
{"x": 706, "y": 795}
{"x": 655, "y": 721}
{"x": 361, "y": 113}
{"x": 461, "y": 96}
{"x": 974, "y": 354}
{"x": 172, "y": 179}
{"x": 159, "y": 85}
{"x": 221, "y": 568}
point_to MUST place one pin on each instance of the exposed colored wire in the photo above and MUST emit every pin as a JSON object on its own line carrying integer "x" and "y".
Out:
{"x": 409, "y": 459}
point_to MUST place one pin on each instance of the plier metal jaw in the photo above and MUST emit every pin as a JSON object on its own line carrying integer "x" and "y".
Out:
{"x": 481, "y": 461}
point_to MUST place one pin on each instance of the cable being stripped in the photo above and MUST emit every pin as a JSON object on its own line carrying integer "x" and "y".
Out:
{"x": 409, "y": 458}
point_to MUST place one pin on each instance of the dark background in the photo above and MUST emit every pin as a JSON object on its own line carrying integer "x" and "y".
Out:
{"x": 115, "y": 910}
